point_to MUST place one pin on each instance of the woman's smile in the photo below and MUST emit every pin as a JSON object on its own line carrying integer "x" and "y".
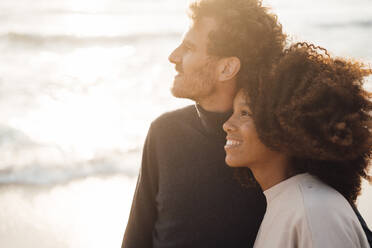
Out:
{"x": 232, "y": 143}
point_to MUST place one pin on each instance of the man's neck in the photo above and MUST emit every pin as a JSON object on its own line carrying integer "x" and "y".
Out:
{"x": 218, "y": 103}
{"x": 214, "y": 108}
{"x": 212, "y": 121}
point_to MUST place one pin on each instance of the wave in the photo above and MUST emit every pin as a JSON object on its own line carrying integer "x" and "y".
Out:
{"x": 24, "y": 161}
{"x": 120, "y": 12}
{"x": 56, "y": 174}
{"x": 358, "y": 24}
{"x": 74, "y": 40}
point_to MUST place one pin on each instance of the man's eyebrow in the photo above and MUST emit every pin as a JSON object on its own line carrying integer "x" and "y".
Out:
{"x": 188, "y": 43}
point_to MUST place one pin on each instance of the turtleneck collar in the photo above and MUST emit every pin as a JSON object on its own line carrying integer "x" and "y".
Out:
{"x": 212, "y": 121}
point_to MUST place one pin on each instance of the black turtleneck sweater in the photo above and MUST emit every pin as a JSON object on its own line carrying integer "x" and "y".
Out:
{"x": 186, "y": 195}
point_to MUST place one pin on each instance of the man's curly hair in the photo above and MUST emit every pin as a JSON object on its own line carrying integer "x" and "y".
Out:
{"x": 314, "y": 109}
{"x": 245, "y": 30}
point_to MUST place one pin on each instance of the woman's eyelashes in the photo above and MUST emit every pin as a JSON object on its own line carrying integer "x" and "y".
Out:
{"x": 245, "y": 113}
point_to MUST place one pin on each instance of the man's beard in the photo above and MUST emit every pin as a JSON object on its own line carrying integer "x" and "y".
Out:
{"x": 197, "y": 85}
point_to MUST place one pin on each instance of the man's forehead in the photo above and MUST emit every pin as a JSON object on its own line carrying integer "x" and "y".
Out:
{"x": 204, "y": 23}
{"x": 189, "y": 36}
{"x": 199, "y": 28}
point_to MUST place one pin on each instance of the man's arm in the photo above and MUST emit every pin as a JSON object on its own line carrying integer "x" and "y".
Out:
{"x": 138, "y": 233}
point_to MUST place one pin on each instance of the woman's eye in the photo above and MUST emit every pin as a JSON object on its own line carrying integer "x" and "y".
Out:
{"x": 245, "y": 113}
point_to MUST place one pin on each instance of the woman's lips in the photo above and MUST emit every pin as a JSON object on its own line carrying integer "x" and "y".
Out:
{"x": 232, "y": 143}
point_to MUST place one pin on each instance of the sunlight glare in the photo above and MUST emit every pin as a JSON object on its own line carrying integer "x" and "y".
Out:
{"x": 95, "y": 63}
{"x": 82, "y": 123}
{"x": 91, "y": 6}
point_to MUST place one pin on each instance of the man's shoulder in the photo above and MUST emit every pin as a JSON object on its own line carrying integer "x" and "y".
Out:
{"x": 187, "y": 113}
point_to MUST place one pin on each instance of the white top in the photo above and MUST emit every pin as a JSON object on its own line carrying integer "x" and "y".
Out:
{"x": 304, "y": 212}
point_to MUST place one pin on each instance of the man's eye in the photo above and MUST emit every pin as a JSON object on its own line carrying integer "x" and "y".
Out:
{"x": 187, "y": 47}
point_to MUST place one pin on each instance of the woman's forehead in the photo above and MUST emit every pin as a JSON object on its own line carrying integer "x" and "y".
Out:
{"x": 241, "y": 98}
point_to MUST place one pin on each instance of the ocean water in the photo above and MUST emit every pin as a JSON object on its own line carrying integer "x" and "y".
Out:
{"x": 80, "y": 83}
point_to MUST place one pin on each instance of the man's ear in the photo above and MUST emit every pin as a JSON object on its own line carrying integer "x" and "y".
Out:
{"x": 228, "y": 68}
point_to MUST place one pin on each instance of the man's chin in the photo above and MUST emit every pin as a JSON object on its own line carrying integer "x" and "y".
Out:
{"x": 179, "y": 93}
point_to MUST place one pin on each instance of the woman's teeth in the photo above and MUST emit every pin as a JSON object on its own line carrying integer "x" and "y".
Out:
{"x": 231, "y": 143}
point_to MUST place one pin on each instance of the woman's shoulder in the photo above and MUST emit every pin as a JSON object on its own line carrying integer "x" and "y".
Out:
{"x": 323, "y": 203}
{"x": 317, "y": 194}
{"x": 329, "y": 216}
{"x": 304, "y": 212}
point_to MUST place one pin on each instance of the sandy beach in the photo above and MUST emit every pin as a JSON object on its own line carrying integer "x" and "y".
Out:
{"x": 90, "y": 212}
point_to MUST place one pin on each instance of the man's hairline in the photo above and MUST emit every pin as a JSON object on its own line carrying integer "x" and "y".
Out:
{"x": 197, "y": 21}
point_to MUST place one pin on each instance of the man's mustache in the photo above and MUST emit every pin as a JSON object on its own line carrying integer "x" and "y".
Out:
{"x": 179, "y": 68}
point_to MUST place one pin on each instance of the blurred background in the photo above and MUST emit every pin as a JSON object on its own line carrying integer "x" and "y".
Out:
{"x": 80, "y": 82}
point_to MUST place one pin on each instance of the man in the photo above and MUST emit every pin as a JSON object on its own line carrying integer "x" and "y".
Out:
{"x": 186, "y": 195}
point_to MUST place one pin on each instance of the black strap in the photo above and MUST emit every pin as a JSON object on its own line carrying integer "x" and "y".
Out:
{"x": 364, "y": 225}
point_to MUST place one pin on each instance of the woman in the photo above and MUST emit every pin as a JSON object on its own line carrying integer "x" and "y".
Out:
{"x": 304, "y": 130}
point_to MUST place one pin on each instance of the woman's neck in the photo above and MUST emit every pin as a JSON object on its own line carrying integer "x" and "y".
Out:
{"x": 272, "y": 173}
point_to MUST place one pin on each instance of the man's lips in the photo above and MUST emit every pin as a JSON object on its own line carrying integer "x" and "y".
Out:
{"x": 179, "y": 69}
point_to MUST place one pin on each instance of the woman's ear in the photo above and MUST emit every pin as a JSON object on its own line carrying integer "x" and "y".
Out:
{"x": 228, "y": 68}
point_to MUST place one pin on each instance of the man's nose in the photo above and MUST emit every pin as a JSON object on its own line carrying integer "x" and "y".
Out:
{"x": 174, "y": 57}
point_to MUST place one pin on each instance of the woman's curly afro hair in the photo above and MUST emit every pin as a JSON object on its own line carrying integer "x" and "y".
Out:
{"x": 314, "y": 109}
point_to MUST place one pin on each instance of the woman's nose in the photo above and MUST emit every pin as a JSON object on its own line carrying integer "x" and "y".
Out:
{"x": 228, "y": 125}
